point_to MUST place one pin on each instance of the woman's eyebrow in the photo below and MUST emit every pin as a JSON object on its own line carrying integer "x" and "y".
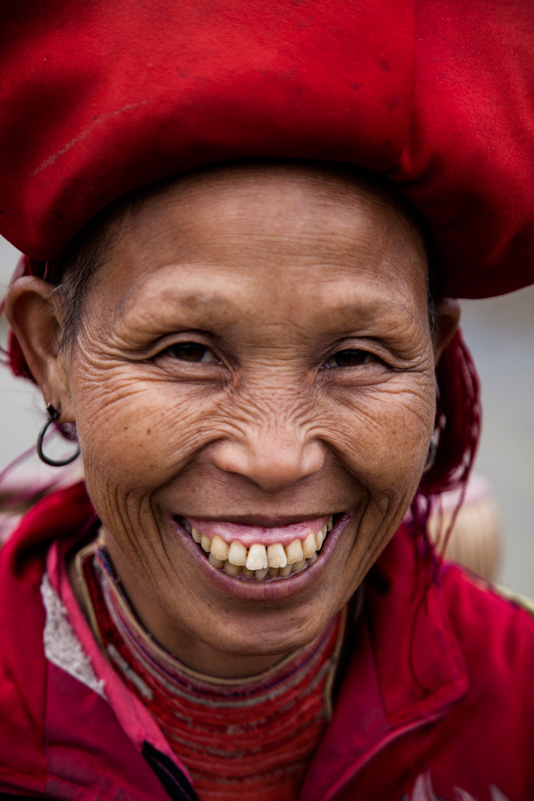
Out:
{"x": 231, "y": 297}
{"x": 168, "y": 299}
{"x": 374, "y": 307}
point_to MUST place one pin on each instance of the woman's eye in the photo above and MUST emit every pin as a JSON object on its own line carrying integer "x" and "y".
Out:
{"x": 351, "y": 358}
{"x": 192, "y": 352}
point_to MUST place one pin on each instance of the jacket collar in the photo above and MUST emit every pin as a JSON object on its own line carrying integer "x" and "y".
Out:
{"x": 406, "y": 668}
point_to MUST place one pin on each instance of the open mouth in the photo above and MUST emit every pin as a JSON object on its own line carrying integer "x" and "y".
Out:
{"x": 251, "y": 553}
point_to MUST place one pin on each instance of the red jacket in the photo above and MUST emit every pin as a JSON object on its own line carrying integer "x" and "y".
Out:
{"x": 436, "y": 702}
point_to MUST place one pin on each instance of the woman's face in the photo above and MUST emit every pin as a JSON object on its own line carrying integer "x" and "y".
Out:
{"x": 257, "y": 352}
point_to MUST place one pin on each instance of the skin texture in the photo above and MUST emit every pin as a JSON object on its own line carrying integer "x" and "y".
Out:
{"x": 311, "y": 390}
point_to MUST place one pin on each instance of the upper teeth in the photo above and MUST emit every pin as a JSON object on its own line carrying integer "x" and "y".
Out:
{"x": 257, "y": 557}
{"x": 260, "y": 558}
{"x": 276, "y": 555}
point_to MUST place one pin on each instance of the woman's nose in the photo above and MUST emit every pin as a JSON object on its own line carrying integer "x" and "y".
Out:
{"x": 273, "y": 459}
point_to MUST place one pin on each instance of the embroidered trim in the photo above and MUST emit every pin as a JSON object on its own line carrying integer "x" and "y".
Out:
{"x": 61, "y": 645}
{"x": 423, "y": 791}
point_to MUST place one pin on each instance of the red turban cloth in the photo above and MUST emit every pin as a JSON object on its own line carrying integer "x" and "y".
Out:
{"x": 98, "y": 98}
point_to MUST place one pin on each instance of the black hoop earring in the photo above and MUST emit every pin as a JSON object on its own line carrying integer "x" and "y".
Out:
{"x": 53, "y": 416}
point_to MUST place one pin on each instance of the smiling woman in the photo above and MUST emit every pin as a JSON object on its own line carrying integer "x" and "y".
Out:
{"x": 245, "y": 366}
{"x": 264, "y": 373}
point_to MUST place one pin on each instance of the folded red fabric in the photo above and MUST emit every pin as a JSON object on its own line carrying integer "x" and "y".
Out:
{"x": 99, "y": 98}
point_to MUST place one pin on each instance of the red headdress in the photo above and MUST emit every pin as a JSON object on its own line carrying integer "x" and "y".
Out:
{"x": 101, "y": 97}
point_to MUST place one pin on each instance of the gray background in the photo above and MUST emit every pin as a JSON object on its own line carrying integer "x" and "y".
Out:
{"x": 500, "y": 333}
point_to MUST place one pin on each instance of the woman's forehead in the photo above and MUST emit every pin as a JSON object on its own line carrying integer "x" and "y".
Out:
{"x": 253, "y": 229}
{"x": 248, "y": 209}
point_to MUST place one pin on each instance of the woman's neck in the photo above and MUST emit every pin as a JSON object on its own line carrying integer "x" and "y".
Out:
{"x": 192, "y": 652}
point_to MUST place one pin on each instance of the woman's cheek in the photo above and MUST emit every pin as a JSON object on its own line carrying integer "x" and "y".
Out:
{"x": 138, "y": 434}
{"x": 384, "y": 434}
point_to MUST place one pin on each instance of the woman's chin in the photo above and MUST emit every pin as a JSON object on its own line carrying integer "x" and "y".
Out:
{"x": 236, "y": 645}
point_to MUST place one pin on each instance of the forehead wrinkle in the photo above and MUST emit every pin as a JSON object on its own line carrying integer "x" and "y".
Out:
{"x": 251, "y": 264}
{"x": 331, "y": 207}
{"x": 349, "y": 239}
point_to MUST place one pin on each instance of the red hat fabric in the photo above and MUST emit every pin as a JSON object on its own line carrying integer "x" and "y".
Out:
{"x": 98, "y": 98}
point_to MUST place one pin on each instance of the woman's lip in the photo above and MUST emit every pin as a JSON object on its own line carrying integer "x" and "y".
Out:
{"x": 250, "y": 534}
{"x": 266, "y": 590}
{"x": 262, "y": 521}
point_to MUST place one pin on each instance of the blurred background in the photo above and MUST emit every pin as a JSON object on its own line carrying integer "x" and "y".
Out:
{"x": 500, "y": 334}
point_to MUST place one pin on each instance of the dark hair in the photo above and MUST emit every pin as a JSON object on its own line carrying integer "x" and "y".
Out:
{"x": 457, "y": 430}
{"x": 76, "y": 271}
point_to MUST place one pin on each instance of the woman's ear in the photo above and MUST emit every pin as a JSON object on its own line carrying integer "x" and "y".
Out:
{"x": 447, "y": 321}
{"x": 32, "y": 312}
